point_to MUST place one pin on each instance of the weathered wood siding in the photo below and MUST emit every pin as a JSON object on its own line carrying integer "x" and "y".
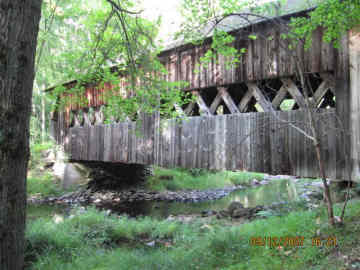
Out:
{"x": 265, "y": 58}
{"x": 261, "y": 142}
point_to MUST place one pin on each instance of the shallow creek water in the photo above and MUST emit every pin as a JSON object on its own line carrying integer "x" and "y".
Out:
{"x": 277, "y": 191}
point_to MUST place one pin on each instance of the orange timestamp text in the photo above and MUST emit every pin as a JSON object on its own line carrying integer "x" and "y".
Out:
{"x": 290, "y": 241}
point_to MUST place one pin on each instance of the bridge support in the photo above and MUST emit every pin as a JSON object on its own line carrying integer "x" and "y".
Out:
{"x": 106, "y": 175}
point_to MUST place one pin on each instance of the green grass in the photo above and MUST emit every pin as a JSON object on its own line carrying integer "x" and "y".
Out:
{"x": 43, "y": 186}
{"x": 95, "y": 241}
{"x": 180, "y": 179}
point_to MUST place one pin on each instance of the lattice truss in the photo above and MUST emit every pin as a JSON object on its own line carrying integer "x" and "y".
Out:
{"x": 263, "y": 96}
{"x": 87, "y": 116}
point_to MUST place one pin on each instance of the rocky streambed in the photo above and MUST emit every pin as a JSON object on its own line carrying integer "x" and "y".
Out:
{"x": 266, "y": 195}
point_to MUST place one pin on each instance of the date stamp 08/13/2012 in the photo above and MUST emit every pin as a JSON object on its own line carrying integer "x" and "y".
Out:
{"x": 291, "y": 241}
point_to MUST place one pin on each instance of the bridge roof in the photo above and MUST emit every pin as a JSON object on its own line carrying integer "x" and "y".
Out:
{"x": 232, "y": 23}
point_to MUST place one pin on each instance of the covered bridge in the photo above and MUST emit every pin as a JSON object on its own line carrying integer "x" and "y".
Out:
{"x": 247, "y": 117}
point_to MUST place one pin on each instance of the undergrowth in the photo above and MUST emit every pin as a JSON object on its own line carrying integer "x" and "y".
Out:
{"x": 100, "y": 242}
{"x": 43, "y": 186}
{"x": 182, "y": 179}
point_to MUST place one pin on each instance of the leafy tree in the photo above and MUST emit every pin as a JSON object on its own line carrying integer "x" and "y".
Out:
{"x": 114, "y": 44}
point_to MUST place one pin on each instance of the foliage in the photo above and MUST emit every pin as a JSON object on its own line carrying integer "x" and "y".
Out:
{"x": 38, "y": 152}
{"x": 216, "y": 18}
{"x": 105, "y": 242}
{"x": 114, "y": 48}
{"x": 335, "y": 17}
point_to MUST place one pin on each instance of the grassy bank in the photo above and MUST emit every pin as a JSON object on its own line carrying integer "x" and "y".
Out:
{"x": 43, "y": 186}
{"x": 95, "y": 241}
{"x": 181, "y": 179}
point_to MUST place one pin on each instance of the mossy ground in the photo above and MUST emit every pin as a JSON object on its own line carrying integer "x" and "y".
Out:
{"x": 93, "y": 240}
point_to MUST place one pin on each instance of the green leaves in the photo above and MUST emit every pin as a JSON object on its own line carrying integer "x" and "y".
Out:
{"x": 335, "y": 17}
{"x": 253, "y": 37}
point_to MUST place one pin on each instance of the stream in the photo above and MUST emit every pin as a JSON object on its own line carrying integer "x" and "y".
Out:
{"x": 277, "y": 191}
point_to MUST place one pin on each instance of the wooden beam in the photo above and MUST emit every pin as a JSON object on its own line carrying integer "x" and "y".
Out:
{"x": 189, "y": 108}
{"x": 178, "y": 109}
{"x": 228, "y": 100}
{"x": 204, "y": 110}
{"x": 245, "y": 100}
{"x": 279, "y": 98}
{"x": 331, "y": 81}
{"x": 320, "y": 92}
{"x": 260, "y": 98}
{"x": 99, "y": 115}
{"x": 87, "y": 120}
{"x": 216, "y": 102}
{"x": 294, "y": 92}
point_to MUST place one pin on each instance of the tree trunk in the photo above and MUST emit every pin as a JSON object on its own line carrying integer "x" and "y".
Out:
{"x": 19, "y": 22}
{"x": 43, "y": 117}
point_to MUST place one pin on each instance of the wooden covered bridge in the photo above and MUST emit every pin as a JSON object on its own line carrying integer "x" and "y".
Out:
{"x": 247, "y": 117}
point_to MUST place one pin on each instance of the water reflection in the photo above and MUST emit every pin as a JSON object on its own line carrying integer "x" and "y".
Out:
{"x": 275, "y": 192}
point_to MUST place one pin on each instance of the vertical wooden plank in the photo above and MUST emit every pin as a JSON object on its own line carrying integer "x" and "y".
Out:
{"x": 248, "y": 141}
{"x": 171, "y": 143}
{"x": 108, "y": 153}
{"x": 257, "y": 54}
{"x": 275, "y": 150}
{"x": 315, "y": 50}
{"x": 342, "y": 90}
{"x": 167, "y": 143}
{"x": 211, "y": 131}
{"x": 190, "y": 142}
{"x": 91, "y": 145}
{"x": 249, "y": 61}
{"x": 186, "y": 141}
{"x": 156, "y": 138}
{"x": 196, "y": 137}
{"x": 332, "y": 140}
{"x": 220, "y": 141}
{"x": 115, "y": 141}
{"x": 130, "y": 141}
{"x": 100, "y": 132}
{"x": 266, "y": 142}
{"x": 74, "y": 137}
{"x": 134, "y": 138}
{"x": 354, "y": 54}
{"x": 150, "y": 140}
{"x": 207, "y": 142}
{"x": 241, "y": 147}
{"x": 230, "y": 142}
{"x": 327, "y": 57}
{"x": 291, "y": 142}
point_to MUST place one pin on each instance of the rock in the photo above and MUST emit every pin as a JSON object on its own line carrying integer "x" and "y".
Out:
{"x": 150, "y": 244}
{"x": 240, "y": 212}
{"x": 222, "y": 214}
{"x": 233, "y": 206}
